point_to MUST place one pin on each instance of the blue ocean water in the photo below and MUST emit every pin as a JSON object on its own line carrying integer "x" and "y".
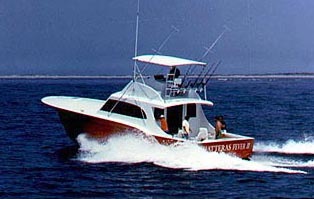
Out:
{"x": 38, "y": 160}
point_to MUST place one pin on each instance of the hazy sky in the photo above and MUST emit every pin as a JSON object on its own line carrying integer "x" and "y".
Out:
{"x": 96, "y": 37}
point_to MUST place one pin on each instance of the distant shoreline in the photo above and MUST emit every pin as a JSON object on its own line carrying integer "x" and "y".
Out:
{"x": 63, "y": 77}
{"x": 261, "y": 76}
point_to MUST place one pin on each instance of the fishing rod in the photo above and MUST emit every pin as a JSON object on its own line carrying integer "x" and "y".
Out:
{"x": 204, "y": 83}
{"x": 207, "y": 72}
{"x": 214, "y": 70}
{"x": 190, "y": 81}
{"x": 196, "y": 80}
{"x": 186, "y": 74}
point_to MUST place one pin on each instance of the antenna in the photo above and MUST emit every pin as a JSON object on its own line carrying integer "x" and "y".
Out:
{"x": 136, "y": 38}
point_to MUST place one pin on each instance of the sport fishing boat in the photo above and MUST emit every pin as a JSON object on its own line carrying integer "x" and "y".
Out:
{"x": 138, "y": 106}
{"x": 136, "y": 109}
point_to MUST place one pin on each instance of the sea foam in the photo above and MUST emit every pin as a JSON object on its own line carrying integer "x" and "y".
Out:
{"x": 305, "y": 146}
{"x": 188, "y": 156}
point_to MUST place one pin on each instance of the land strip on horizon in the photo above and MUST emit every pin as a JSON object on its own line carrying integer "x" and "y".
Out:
{"x": 218, "y": 76}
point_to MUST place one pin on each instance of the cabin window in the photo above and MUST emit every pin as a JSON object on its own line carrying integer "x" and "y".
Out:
{"x": 191, "y": 110}
{"x": 124, "y": 108}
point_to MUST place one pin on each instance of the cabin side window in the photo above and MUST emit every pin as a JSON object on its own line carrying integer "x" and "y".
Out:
{"x": 191, "y": 110}
{"x": 124, "y": 108}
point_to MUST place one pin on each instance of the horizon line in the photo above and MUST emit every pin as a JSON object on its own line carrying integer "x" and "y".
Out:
{"x": 275, "y": 75}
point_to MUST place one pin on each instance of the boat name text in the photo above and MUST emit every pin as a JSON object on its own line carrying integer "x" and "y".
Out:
{"x": 229, "y": 147}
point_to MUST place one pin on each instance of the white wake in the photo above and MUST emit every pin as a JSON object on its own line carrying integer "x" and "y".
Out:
{"x": 134, "y": 149}
{"x": 305, "y": 146}
{"x": 282, "y": 161}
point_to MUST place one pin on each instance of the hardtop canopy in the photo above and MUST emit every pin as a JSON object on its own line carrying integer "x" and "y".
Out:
{"x": 168, "y": 61}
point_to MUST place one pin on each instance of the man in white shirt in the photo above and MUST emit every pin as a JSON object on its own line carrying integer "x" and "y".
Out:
{"x": 186, "y": 127}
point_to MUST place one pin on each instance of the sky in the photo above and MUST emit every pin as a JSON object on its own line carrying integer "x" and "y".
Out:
{"x": 97, "y": 37}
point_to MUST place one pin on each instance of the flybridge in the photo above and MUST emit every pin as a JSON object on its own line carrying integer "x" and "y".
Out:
{"x": 175, "y": 83}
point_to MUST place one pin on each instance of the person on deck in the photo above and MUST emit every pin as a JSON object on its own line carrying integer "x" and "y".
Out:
{"x": 163, "y": 123}
{"x": 186, "y": 127}
{"x": 220, "y": 127}
{"x": 174, "y": 73}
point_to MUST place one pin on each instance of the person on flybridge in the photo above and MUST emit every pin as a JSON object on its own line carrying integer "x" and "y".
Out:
{"x": 174, "y": 73}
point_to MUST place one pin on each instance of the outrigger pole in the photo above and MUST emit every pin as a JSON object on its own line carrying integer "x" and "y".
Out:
{"x": 158, "y": 51}
{"x": 135, "y": 53}
{"x": 214, "y": 43}
{"x": 174, "y": 29}
{"x": 135, "y": 68}
{"x": 203, "y": 56}
{"x": 136, "y": 39}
